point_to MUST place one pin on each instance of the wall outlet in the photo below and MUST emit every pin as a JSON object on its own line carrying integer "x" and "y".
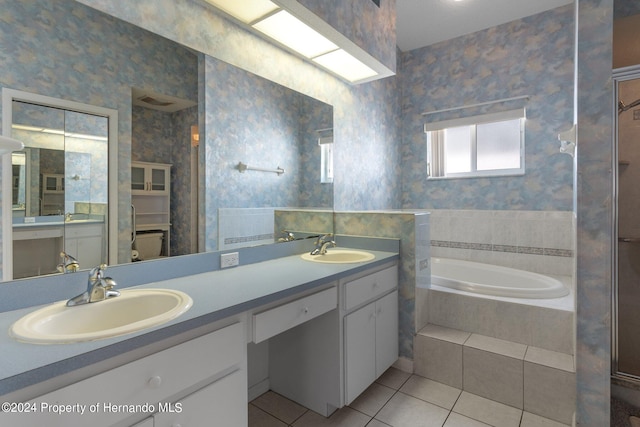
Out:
{"x": 229, "y": 260}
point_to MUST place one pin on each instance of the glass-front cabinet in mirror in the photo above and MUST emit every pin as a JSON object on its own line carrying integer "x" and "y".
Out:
{"x": 149, "y": 177}
{"x": 60, "y": 186}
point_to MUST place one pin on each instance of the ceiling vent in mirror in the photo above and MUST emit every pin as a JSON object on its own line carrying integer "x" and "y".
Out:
{"x": 157, "y": 101}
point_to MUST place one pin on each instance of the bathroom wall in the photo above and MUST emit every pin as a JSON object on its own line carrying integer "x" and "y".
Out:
{"x": 528, "y": 57}
{"x": 254, "y": 121}
{"x": 594, "y": 211}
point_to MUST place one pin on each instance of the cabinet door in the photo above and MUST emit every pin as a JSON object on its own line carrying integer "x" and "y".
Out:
{"x": 360, "y": 357}
{"x": 222, "y": 403}
{"x": 386, "y": 332}
{"x": 137, "y": 178}
{"x": 158, "y": 179}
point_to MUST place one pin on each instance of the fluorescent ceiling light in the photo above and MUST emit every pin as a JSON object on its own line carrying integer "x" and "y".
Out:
{"x": 295, "y": 34}
{"x": 246, "y": 11}
{"x": 59, "y": 132}
{"x": 345, "y": 65}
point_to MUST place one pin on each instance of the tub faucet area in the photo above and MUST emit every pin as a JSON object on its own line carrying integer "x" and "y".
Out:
{"x": 99, "y": 288}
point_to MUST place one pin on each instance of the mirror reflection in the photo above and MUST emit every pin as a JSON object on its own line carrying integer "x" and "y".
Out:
{"x": 59, "y": 188}
{"x": 232, "y": 116}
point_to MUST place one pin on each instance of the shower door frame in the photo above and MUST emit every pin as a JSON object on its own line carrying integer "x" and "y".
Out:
{"x": 619, "y": 75}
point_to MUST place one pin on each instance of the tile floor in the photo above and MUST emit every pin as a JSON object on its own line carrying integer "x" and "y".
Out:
{"x": 398, "y": 399}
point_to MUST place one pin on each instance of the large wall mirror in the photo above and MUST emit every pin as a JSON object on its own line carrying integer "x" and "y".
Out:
{"x": 198, "y": 115}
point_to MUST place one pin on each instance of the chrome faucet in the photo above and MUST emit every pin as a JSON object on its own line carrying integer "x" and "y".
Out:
{"x": 68, "y": 217}
{"x": 99, "y": 288}
{"x": 287, "y": 236}
{"x": 69, "y": 264}
{"x": 322, "y": 244}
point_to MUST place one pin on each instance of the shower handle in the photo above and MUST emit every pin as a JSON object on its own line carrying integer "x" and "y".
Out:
{"x": 629, "y": 239}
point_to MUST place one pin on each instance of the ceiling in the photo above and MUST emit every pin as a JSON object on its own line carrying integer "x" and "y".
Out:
{"x": 425, "y": 22}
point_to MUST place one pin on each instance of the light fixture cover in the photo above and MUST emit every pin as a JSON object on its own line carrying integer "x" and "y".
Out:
{"x": 246, "y": 11}
{"x": 295, "y": 34}
{"x": 345, "y": 65}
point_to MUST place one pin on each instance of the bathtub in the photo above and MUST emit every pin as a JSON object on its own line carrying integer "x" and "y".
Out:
{"x": 494, "y": 280}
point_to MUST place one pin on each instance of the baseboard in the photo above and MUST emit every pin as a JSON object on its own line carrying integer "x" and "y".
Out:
{"x": 404, "y": 364}
{"x": 258, "y": 389}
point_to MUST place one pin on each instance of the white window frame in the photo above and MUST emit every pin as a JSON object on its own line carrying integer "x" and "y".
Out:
{"x": 326, "y": 159}
{"x": 436, "y": 152}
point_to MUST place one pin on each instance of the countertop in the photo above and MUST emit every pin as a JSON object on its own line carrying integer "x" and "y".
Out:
{"x": 57, "y": 223}
{"x": 216, "y": 295}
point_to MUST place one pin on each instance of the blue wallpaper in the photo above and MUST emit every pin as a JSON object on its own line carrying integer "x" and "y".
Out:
{"x": 265, "y": 125}
{"x": 594, "y": 212}
{"x": 528, "y": 57}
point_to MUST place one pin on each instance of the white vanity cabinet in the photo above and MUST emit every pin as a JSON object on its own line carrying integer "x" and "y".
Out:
{"x": 370, "y": 329}
{"x": 85, "y": 242}
{"x": 326, "y": 363}
{"x": 191, "y": 384}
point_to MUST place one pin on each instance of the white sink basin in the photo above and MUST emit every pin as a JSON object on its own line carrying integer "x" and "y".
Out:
{"x": 133, "y": 310}
{"x": 340, "y": 256}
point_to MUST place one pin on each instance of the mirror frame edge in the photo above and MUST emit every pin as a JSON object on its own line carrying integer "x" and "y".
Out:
{"x": 10, "y": 95}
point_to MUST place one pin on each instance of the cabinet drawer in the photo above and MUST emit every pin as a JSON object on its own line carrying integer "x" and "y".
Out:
{"x": 222, "y": 403}
{"x": 278, "y": 319}
{"x": 38, "y": 233}
{"x": 151, "y": 379}
{"x": 72, "y": 231}
{"x": 368, "y": 287}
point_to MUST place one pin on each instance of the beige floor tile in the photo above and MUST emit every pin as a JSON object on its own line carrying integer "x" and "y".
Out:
{"x": 259, "y": 418}
{"x": 377, "y": 423}
{"x": 434, "y": 392}
{"x": 393, "y": 378}
{"x": 373, "y": 399}
{"x": 407, "y": 411}
{"x": 344, "y": 417}
{"x": 279, "y": 406}
{"x": 487, "y": 411}
{"x": 457, "y": 420}
{"x": 532, "y": 420}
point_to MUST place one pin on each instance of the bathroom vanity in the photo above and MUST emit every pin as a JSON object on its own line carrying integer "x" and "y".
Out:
{"x": 330, "y": 322}
{"x": 37, "y": 245}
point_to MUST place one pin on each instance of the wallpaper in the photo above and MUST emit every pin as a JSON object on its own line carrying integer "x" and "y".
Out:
{"x": 530, "y": 57}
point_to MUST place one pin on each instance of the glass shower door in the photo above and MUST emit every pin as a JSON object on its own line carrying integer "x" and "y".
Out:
{"x": 627, "y": 295}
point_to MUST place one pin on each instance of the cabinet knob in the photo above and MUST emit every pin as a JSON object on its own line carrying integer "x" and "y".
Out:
{"x": 305, "y": 310}
{"x": 154, "y": 382}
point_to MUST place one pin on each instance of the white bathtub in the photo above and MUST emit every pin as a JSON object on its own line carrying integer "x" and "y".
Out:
{"x": 494, "y": 280}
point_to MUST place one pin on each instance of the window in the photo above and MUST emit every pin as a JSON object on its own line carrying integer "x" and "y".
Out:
{"x": 487, "y": 145}
{"x": 326, "y": 159}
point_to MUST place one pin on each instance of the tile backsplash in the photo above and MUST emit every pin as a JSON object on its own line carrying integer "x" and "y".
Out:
{"x": 539, "y": 241}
